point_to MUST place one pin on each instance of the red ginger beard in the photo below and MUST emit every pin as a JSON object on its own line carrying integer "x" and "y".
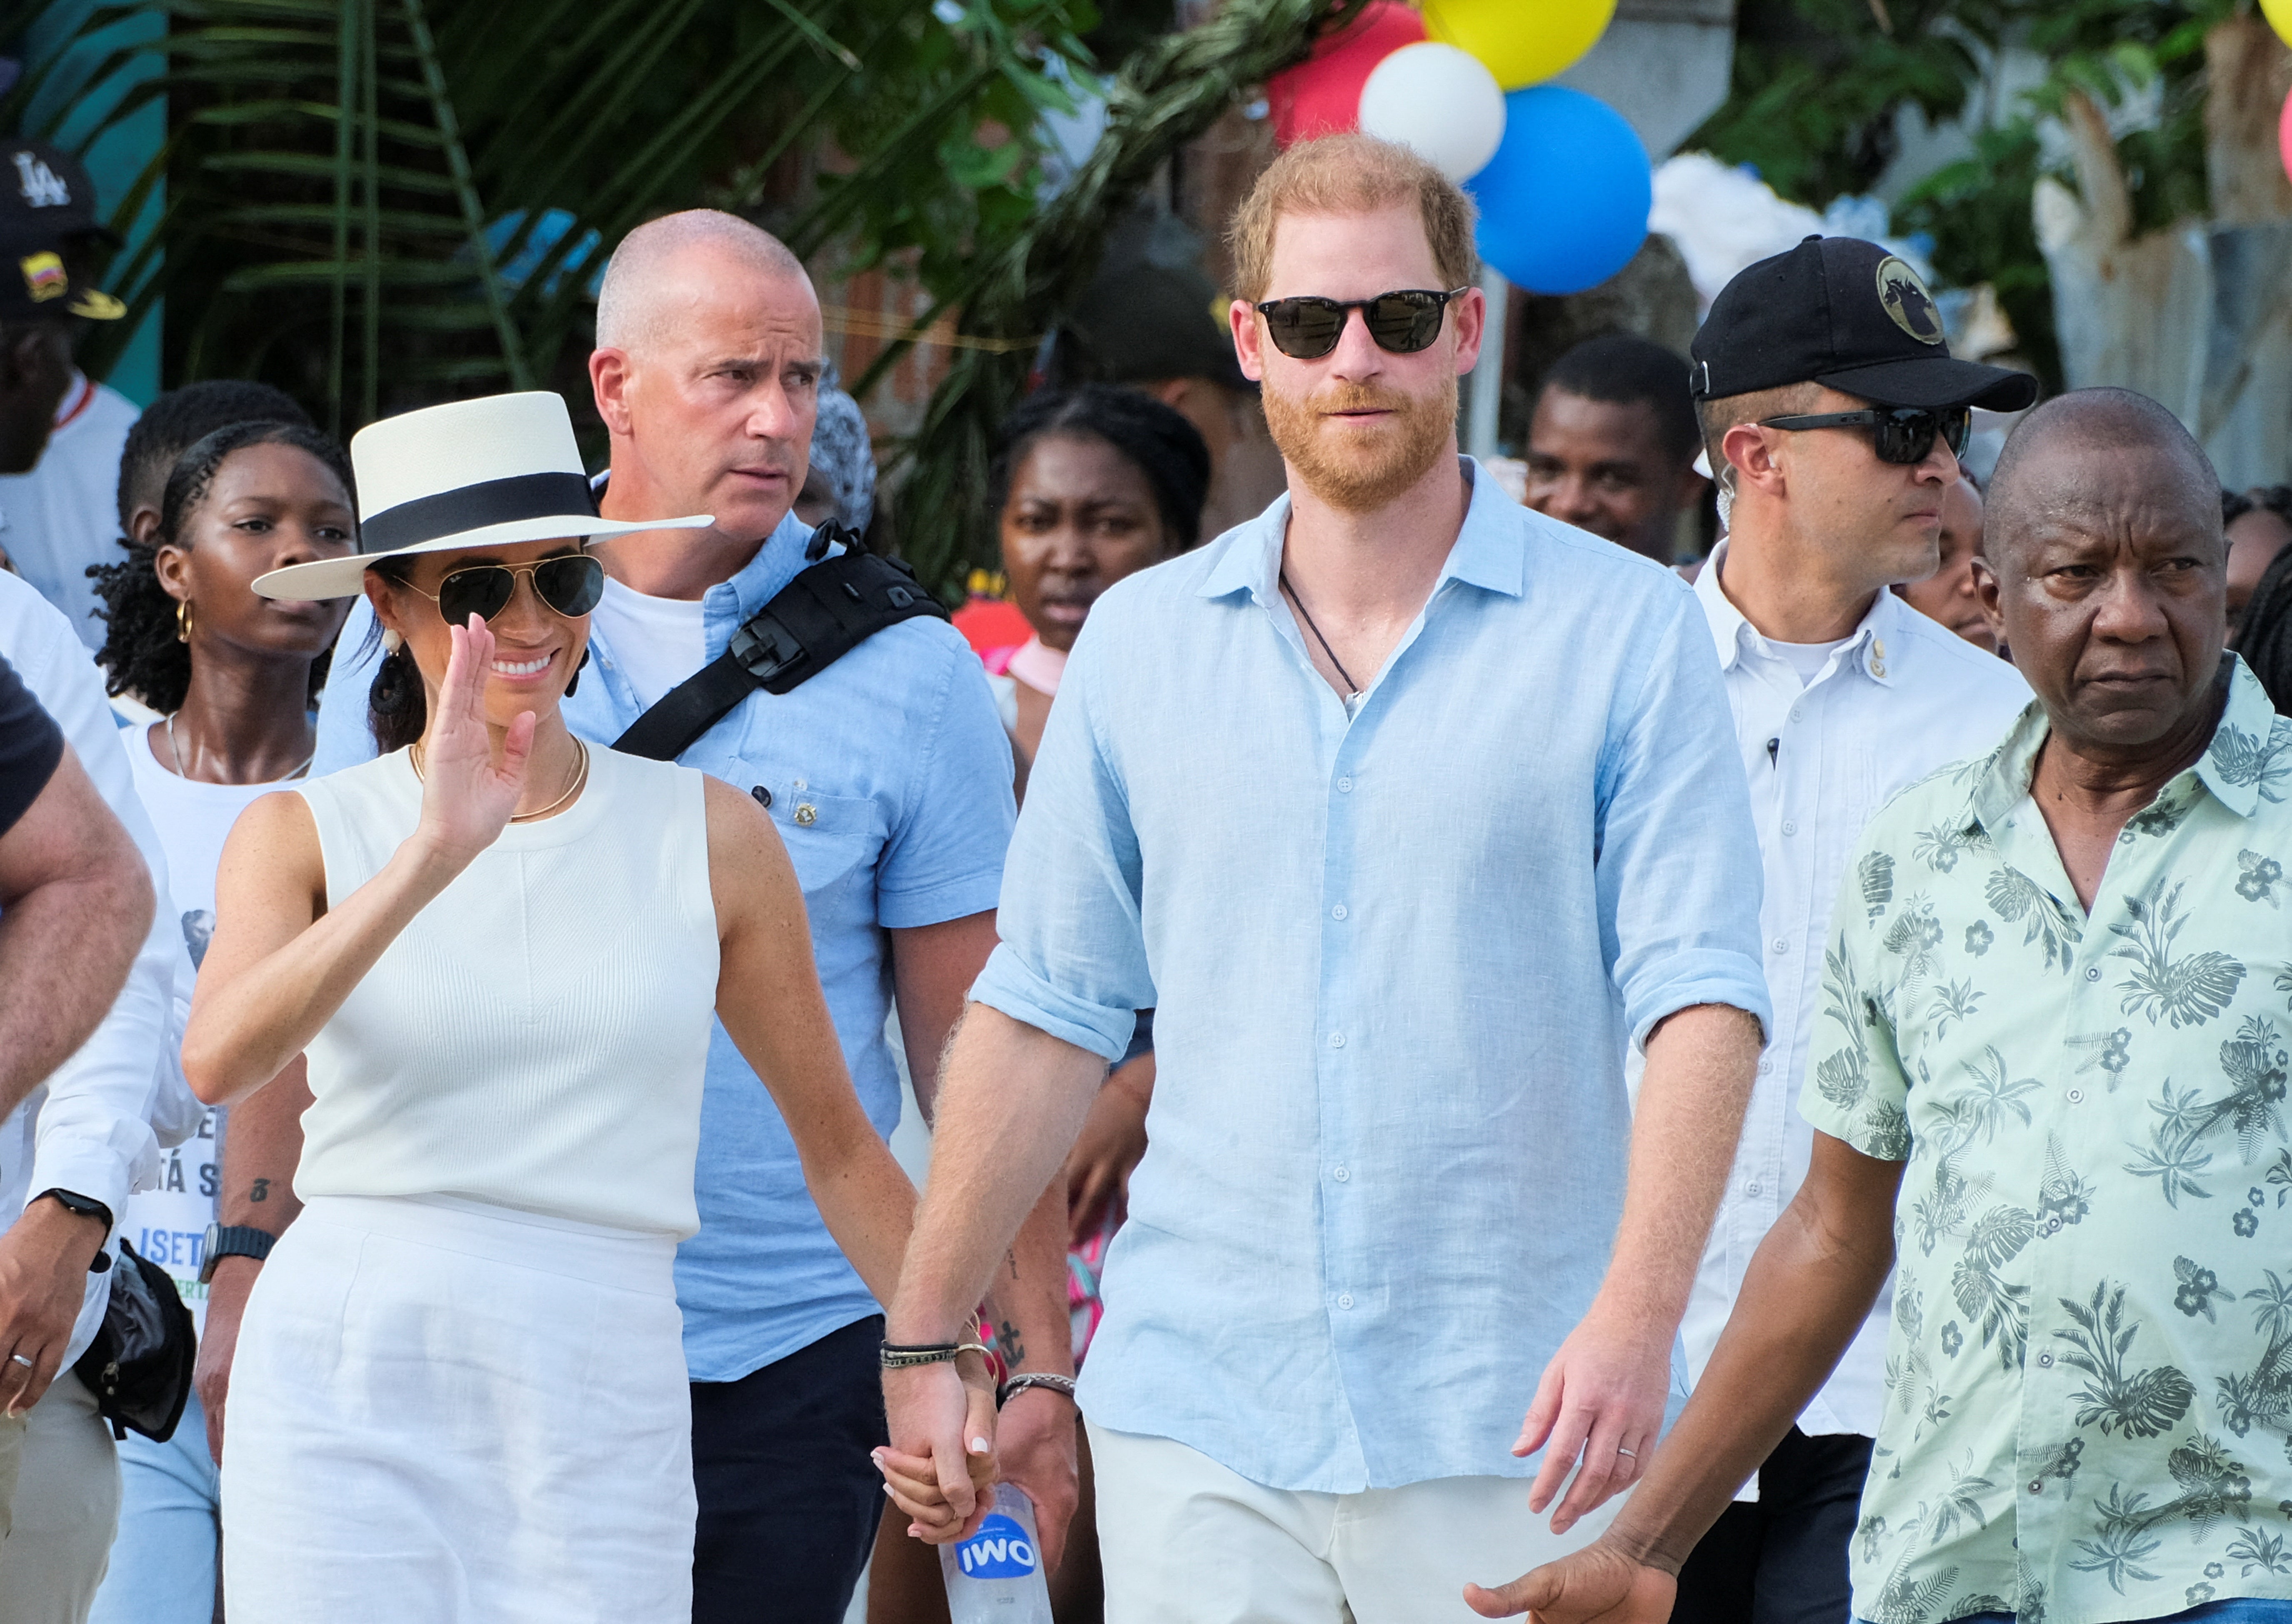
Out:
{"x": 1359, "y": 470}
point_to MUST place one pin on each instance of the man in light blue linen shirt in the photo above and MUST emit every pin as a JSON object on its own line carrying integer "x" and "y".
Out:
{"x": 888, "y": 776}
{"x": 1407, "y": 808}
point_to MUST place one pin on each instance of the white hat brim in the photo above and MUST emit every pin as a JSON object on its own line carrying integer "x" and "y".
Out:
{"x": 345, "y": 578}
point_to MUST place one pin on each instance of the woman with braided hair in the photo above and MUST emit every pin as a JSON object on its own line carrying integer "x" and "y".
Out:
{"x": 233, "y": 676}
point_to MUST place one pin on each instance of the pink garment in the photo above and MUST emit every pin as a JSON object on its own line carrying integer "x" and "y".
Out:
{"x": 1032, "y": 663}
{"x": 1038, "y": 667}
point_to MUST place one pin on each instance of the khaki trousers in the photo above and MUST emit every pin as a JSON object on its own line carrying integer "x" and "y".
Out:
{"x": 1187, "y": 1541}
{"x": 59, "y": 1507}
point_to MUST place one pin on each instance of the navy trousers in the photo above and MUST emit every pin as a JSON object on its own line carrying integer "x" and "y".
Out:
{"x": 789, "y": 1496}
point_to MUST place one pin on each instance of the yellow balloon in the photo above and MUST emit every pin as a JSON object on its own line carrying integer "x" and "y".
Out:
{"x": 1525, "y": 42}
{"x": 2279, "y": 13}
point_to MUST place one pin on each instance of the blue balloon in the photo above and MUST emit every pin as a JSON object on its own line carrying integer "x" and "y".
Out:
{"x": 1564, "y": 202}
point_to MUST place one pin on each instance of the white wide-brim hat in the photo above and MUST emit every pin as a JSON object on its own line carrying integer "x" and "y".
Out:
{"x": 491, "y": 472}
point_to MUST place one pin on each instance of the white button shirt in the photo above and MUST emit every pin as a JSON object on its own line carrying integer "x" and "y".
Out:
{"x": 88, "y": 1127}
{"x": 1898, "y": 699}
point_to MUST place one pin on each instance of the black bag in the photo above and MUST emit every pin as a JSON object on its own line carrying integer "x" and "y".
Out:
{"x": 139, "y": 1367}
{"x": 830, "y": 608}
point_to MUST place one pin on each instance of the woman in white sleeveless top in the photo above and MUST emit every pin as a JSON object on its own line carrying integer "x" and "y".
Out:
{"x": 460, "y": 1392}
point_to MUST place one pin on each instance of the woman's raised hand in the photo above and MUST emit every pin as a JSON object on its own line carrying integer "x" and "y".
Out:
{"x": 466, "y": 800}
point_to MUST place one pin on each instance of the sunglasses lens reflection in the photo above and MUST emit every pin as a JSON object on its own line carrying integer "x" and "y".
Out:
{"x": 570, "y": 586}
{"x": 1405, "y": 322}
{"x": 482, "y": 590}
{"x": 1305, "y": 328}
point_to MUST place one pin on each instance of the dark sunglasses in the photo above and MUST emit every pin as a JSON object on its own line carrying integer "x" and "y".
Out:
{"x": 1309, "y": 327}
{"x": 1905, "y": 434}
{"x": 570, "y": 585}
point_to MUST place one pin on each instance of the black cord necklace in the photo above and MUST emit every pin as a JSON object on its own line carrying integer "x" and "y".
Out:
{"x": 1353, "y": 689}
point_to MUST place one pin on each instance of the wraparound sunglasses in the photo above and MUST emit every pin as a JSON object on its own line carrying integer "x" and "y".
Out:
{"x": 570, "y": 585}
{"x": 1307, "y": 326}
{"x": 1904, "y": 434}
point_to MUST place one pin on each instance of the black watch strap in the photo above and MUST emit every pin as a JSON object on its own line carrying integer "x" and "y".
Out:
{"x": 85, "y": 1206}
{"x": 234, "y": 1241}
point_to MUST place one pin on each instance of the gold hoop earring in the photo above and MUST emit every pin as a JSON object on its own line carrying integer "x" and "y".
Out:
{"x": 182, "y": 620}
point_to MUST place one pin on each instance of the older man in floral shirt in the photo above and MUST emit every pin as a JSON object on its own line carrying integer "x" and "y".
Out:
{"x": 2052, "y": 1073}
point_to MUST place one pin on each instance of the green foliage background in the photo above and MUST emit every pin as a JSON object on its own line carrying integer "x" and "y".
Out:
{"x": 1819, "y": 85}
{"x": 333, "y": 165}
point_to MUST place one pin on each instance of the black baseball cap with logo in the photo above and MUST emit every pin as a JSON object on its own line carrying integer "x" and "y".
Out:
{"x": 47, "y": 206}
{"x": 1848, "y": 314}
{"x": 44, "y": 189}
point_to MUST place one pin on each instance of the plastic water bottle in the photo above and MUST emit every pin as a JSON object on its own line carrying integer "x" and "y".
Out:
{"x": 996, "y": 1576}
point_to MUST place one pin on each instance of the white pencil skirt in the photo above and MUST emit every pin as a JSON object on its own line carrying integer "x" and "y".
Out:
{"x": 454, "y": 1413}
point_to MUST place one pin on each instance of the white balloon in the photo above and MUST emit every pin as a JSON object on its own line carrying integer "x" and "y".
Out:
{"x": 1440, "y": 102}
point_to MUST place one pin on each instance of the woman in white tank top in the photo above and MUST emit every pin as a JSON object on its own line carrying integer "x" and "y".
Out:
{"x": 460, "y": 1391}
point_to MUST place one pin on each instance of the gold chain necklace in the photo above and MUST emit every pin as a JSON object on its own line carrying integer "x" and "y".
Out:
{"x": 580, "y": 777}
{"x": 176, "y": 750}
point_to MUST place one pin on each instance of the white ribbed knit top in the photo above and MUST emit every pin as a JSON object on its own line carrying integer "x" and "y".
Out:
{"x": 536, "y": 1037}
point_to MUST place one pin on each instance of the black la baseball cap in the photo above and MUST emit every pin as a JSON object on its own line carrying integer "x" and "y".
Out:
{"x": 45, "y": 191}
{"x": 1839, "y": 312}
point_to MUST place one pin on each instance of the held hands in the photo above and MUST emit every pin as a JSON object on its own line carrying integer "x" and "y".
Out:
{"x": 1597, "y": 1585}
{"x": 1602, "y": 1398}
{"x": 940, "y": 1462}
{"x": 466, "y": 800}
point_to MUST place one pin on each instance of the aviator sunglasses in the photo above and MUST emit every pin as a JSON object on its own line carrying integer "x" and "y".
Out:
{"x": 1905, "y": 434}
{"x": 570, "y": 585}
{"x": 1307, "y": 325}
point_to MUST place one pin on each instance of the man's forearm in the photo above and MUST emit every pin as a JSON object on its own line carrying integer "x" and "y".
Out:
{"x": 65, "y": 951}
{"x": 1700, "y": 1063}
{"x": 1011, "y": 1100}
{"x": 1027, "y": 1302}
{"x": 1808, "y": 1290}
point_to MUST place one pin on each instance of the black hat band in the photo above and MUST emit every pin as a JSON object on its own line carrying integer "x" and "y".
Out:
{"x": 476, "y": 507}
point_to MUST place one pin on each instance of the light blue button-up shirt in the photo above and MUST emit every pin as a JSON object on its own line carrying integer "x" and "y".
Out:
{"x": 890, "y": 776}
{"x": 1394, "y": 961}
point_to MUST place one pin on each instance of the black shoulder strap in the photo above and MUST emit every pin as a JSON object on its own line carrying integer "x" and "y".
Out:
{"x": 829, "y": 609}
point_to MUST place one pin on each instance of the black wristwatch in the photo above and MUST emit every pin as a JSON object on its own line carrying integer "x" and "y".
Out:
{"x": 79, "y": 1205}
{"x": 234, "y": 1241}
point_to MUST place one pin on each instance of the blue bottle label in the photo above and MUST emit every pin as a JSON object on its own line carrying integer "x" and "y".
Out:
{"x": 1000, "y": 1550}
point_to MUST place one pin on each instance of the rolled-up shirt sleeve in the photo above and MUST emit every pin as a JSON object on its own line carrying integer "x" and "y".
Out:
{"x": 1072, "y": 958}
{"x": 1678, "y": 866}
{"x": 94, "y": 1136}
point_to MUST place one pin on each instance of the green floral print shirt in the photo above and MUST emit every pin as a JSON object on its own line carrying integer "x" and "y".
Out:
{"x": 2089, "y": 1371}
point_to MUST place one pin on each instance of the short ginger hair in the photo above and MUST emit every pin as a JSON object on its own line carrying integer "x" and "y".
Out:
{"x": 1351, "y": 174}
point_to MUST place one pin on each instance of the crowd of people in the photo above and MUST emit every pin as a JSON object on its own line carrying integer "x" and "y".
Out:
{"x": 1468, "y": 1043}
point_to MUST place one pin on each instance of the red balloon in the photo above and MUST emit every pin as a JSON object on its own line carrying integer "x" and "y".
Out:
{"x": 1321, "y": 95}
{"x": 2284, "y": 136}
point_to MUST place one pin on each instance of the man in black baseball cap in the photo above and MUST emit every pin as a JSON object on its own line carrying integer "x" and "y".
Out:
{"x": 1832, "y": 411}
{"x": 39, "y": 297}
{"x": 60, "y": 432}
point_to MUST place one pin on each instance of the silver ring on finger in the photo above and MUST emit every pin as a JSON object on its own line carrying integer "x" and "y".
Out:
{"x": 1629, "y": 1454}
{"x": 20, "y": 1359}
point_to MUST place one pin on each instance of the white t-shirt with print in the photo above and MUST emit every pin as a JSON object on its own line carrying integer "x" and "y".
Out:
{"x": 64, "y": 515}
{"x": 169, "y": 1223}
